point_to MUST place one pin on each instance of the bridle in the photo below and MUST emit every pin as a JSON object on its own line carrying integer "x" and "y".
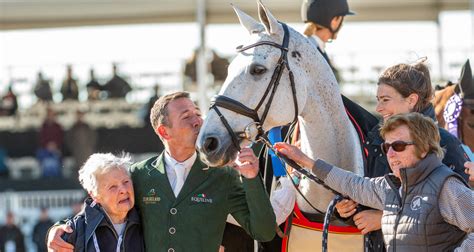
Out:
{"x": 239, "y": 108}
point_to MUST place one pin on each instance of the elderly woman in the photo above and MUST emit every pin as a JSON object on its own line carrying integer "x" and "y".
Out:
{"x": 108, "y": 220}
{"x": 426, "y": 206}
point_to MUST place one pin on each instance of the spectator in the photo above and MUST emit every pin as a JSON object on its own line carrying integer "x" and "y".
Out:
{"x": 3, "y": 166}
{"x": 81, "y": 140}
{"x": 69, "y": 89}
{"x": 41, "y": 229}
{"x": 117, "y": 87}
{"x": 50, "y": 160}
{"x": 51, "y": 131}
{"x": 9, "y": 103}
{"x": 151, "y": 102}
{"x": 49, "y": 154}
{"x": 43, "y": 89}
{"x": 11, "y": 238}
{"x": 93, "y": 87}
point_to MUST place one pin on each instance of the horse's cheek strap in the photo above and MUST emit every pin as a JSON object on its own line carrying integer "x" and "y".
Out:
{"x": 235, "y": 141}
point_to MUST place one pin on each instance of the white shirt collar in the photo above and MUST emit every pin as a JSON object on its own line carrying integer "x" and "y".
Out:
{"x": 319, "y": 42}
{"x": 171, "y": 162}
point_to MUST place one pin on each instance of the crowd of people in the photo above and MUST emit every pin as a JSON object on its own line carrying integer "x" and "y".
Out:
{"x": 175, "y": 202}
{"x": 115, "y": 87}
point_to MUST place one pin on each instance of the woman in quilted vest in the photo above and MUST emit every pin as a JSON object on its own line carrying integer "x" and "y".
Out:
{"x": 425, "y": 205}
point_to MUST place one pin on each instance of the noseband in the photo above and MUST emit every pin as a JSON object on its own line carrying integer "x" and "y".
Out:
{"x": 239, "y": 108}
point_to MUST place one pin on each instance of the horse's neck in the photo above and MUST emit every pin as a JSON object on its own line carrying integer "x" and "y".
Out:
{"x": 327, "y": 133}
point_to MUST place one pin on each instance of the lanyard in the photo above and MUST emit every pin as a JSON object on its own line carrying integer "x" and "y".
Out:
{"x": 96, "y": 244}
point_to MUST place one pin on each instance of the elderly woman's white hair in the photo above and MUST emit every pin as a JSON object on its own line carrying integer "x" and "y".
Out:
{"x": 100, "y": 163}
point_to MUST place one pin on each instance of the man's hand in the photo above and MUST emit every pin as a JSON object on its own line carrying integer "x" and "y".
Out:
{"x": 346, "y": 208}
{"x": 246, "y": 163}
{"x": 55, "y": 242}
{"x": 368, "y": 221}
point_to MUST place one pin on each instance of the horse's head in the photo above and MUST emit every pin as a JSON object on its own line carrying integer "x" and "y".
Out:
{"x": 259, "y": 92}
{"x": 460, "y": 114}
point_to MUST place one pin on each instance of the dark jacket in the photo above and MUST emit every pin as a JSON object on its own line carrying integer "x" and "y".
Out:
{"x": 377, "y": 164}
{"x": 195, "y": 219}
{"x": 11, "y": 234}
{"x": 92, "y": 219}
{"x": 39, "y": 234}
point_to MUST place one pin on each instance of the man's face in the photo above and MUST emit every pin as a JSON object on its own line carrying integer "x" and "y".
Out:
{"x": 403, "y": 159}
{"x": 185, "y": 121}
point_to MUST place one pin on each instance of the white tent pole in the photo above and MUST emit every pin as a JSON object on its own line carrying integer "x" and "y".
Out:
{"x": 440, "y": 47}
{"x": 201, "y": 64}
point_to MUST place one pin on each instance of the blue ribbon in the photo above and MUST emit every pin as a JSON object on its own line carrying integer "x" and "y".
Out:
{"x": 278, "y": 168}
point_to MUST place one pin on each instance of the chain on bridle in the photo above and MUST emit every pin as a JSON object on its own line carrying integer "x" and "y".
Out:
{"x": 239, "y": 108}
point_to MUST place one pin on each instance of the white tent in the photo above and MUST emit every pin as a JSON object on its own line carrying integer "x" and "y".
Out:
{"x": 26, "y": 14}
{"x": 31, "y": 14}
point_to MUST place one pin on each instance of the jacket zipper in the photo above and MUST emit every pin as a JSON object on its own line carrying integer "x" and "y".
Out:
{"x": 400, "y": 209}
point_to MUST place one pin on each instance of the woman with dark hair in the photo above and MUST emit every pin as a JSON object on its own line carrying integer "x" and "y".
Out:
{"x": 401, "y": 88}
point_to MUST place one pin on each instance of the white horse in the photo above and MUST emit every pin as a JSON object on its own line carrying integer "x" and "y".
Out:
{"x": 326, "y": 131}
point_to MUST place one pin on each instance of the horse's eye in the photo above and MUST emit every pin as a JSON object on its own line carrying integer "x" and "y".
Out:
{"x": 256, "y": 69}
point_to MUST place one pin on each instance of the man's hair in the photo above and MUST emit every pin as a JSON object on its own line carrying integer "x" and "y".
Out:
{"x": 408, "y": 79}
{"x": 100, "y": 163}
{"x": 159, "y": 111}
{"x": 423, "y": 131}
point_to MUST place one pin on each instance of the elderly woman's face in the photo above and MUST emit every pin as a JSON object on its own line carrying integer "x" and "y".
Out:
{"x": 406, "y": 158}
{"x": 115, "y": 192}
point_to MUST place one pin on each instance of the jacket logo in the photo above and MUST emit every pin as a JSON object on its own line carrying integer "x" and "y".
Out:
{"x": 415, "y": 204}
{"x": 201, "y": 198}
{"x": 151, "y": 197}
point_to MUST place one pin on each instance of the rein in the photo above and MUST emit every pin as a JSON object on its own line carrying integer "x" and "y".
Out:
{"x": 239, "y": 108}
{"x": 332, "y": 204}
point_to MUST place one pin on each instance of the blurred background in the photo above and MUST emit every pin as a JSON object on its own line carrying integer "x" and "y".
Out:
{"x": 77, "y": 77}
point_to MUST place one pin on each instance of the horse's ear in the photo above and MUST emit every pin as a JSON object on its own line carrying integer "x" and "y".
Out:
{"x": 247, "y": 21}
{"x": 466, "y": 84}
{"x": 269, "y": 22}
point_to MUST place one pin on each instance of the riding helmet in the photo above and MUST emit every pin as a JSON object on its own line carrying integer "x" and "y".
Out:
{"x": 322, "y": 12}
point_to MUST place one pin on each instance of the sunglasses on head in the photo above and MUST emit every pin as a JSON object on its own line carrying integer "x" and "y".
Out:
{"x": 397, "y": 146}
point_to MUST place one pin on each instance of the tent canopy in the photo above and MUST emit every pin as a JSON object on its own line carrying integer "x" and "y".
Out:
{"x": 30, "y": 14}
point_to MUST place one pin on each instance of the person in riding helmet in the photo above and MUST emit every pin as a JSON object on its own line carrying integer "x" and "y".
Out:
{"x": 323, "y": 21}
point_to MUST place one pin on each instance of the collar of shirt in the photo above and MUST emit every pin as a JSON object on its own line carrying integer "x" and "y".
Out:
{"x": 170, "y": 166}
{"x": 318, "y": 42}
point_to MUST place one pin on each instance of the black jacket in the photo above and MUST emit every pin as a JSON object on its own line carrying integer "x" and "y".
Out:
{"x": 92, "y": 219}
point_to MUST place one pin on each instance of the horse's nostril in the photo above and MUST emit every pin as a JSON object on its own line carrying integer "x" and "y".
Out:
{"x": 211, "y": 144}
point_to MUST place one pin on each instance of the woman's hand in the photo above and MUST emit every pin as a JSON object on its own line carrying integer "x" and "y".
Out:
{"x": 469, "y": 170}
{"x": 295, "y": 154}
{"x": 346, "y": 208}
{"x": 368, "y": 221}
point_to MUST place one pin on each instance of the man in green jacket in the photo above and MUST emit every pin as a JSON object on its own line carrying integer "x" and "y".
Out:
{"x": 183, "y": 202}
